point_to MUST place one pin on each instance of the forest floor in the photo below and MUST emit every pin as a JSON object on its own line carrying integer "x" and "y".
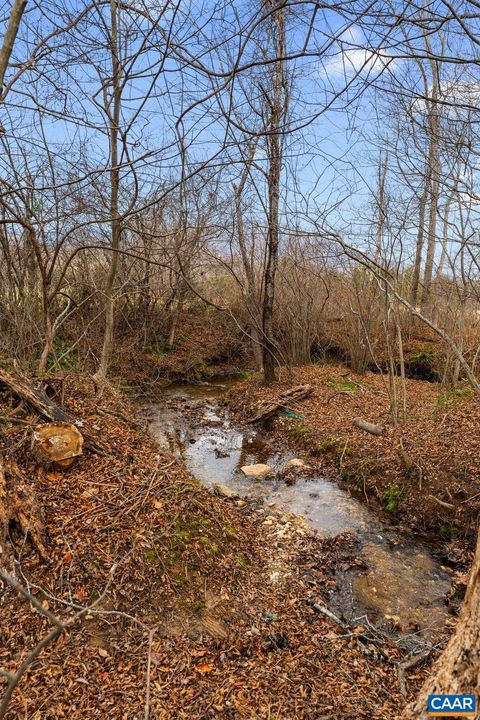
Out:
{"x": 205, "y": 609}
{"x": 424, "y": 470}
{"x": 208, "y": 344}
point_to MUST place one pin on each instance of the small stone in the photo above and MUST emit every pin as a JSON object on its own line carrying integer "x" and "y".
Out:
{"x": 224, "y": 491}
{"x": 258, "y": 471}
{"x": 294, "y": 463}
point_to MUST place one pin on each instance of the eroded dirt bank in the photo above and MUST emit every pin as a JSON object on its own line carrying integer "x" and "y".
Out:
{"x": 425, "y": 470}
{"x": 215, "y": 611}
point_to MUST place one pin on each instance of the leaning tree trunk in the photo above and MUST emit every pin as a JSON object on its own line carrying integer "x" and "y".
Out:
{"x": 457, "y": 671}
{"x": 13, "y": 25}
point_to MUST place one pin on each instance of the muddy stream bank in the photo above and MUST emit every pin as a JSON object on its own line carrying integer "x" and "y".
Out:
{"x": 399, "y": 582}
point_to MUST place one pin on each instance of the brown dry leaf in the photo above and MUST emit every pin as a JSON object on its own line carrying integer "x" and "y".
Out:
{"x": 331, "y": 635}
{"x": 204, "y": 668}
{"x": 80, "y": 594}
{"x": 396, "y": 620}
{"x": 199, "y": 653}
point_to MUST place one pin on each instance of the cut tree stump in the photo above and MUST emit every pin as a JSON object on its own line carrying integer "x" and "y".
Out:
{"x": 285, "y": 400}
{"x": 23, "y": 388}
{"x": 58, "y": 443}
{"x": 368, "y": 426}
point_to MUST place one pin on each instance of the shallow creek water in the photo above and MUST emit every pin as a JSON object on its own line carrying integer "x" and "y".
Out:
{"x": 403, "y": 579}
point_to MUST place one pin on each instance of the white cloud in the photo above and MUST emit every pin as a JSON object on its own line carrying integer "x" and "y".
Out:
{"x": 351, "y": 57}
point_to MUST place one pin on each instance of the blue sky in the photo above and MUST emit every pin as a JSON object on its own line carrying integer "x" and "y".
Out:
{"x": 336, "y": 104}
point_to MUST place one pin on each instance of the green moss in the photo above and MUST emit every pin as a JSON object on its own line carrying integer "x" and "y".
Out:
{"x": 230, "y": 532}
{"x": 326, "y": 447}
{"x": 448, "y": 531}
{"x": 391, "y": 498}
{"x": 180, "y": 581}
{"x": 302, "y": 434}
{"x": 210, "y": 547}
{"x": 171, "y": 559}
{"x": 198, "y": 605}
{"x": 342, "y": 385}
{"x": 453, "y": 397}
{"x": 6, "y": 365}
{"x": 422, "y": 364}
{"x": 181, "y": 533}
{"x": 356, "y": 471}
{"x": 151, "y": 555}
{"x": 298, "y": 428}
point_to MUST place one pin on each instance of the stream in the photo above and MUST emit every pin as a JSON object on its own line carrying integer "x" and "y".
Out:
{"x": 403, "y": 579}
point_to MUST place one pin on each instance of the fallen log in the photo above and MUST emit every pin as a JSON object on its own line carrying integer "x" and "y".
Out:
{"x": 285, "y": 400}
{"x": 368, "y": 426}
{"x": 36, "y": 397}
{"x": 23, "y": 388}
{"x": 4, "y": 519}
{"x": 19, "y": 505}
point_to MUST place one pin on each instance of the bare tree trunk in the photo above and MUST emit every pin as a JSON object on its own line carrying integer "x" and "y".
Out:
{"x": 177, "y": 307}
{"x": 45, "y": 279}
{"x": 9, "y": 38}
{"x": 278, "y": 110}
{"x": 434, "y": 172}
{"x": 48, "y": 340}
{"x": 420, "y": 236}
{"x": 446, "y": 217}
{"x": 115, "y": 222}
{"x": 382, "y": 215}
{"x": 249, "y": 292}
{"x": 402, "y": 364}
{"x": 457, "y": 671}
